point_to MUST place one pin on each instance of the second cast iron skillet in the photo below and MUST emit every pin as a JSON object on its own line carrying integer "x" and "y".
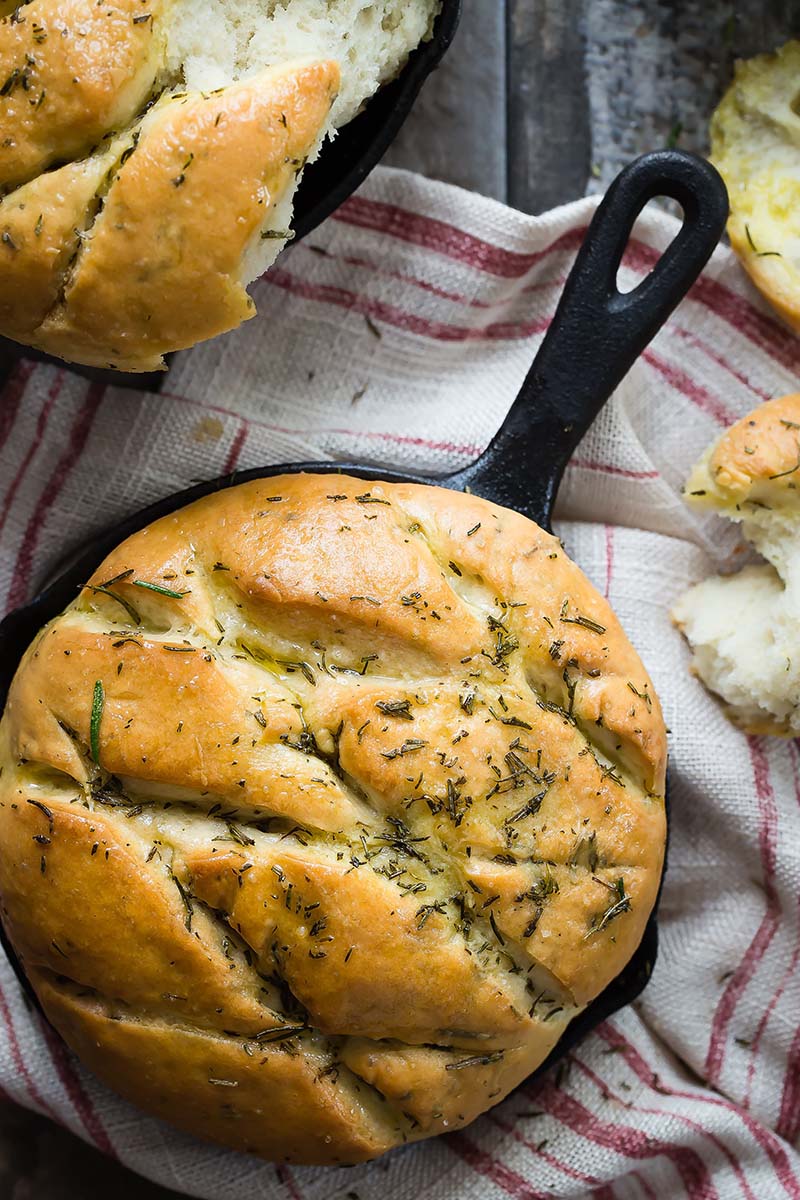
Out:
{"x": 596, "y": 335}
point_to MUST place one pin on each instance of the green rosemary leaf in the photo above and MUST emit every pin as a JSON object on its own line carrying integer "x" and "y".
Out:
{"x": 98, "y": 700}
{"x": 162, "y": 591}
{"x": 105, "y": 591}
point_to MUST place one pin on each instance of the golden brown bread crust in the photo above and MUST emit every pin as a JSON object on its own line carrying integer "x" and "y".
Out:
{"x": 70, "y": 73}
{"x": 242, "y": 1092}
{"x": 40, "y": 227}
{"x": 140, "y": 249}
{"x": 756, "y": 460}
{"x": 776, "y": 281}
{"x": 181, "y": 213}
{"x": 390, "y": 777}
{"x": 754, "y": 134}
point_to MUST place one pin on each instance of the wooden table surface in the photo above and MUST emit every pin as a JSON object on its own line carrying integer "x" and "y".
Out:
{"x": 539, "y": 102}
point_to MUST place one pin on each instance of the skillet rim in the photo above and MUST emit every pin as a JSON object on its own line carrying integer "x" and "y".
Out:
{"x": 623, "y": 989}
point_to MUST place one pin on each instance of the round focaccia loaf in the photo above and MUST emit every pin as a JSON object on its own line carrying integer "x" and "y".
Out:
{"x": 150, "y": 153}
{"x": 755, "y": 142}
{"x": 324, "y": 809}
{"x": 744, "y": 629}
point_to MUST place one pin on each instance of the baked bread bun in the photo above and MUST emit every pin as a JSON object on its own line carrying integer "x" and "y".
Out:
{"x": 744, "y": 629}
{"x": 150, "y": 152}
{"x": 324, "y": 809}
{"x": 755, "y": 144}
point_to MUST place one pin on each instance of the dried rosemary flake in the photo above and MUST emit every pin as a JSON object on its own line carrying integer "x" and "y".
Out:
{"x": 477, "y": 1060}
{"x": 396, "y": 708}
{"x": 239, "y": 835}
{"x": 427, "y": 910}
{"x": 44, "y": 809}
{"x": 408, "y": 747}
{"x": 279, "y": 1033}
{"x": 586, "y": 622}
{"x": 620, "y": 904}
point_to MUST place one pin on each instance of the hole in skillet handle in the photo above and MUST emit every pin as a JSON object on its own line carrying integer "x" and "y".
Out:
{"x": 598, "y": 332}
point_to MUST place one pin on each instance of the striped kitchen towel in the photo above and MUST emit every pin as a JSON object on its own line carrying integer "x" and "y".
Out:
{"x": 398, "y": 334}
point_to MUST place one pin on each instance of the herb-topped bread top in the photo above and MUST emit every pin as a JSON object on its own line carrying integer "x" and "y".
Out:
{"x": 349, "y": 790}
{"x": 128, "y": 231}
{"x": 754, "y": 465}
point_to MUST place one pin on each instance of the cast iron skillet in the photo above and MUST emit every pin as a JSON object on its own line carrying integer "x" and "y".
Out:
{"x": 594, "y": 339}
{"x": 341, "y": 168}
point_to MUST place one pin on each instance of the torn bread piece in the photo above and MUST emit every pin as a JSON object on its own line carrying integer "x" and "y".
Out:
{"x": 744, "y": 629}
{"x": 188, "y": 209}
{"x": 755, "y": 142}
{"x": 130, "y": 270}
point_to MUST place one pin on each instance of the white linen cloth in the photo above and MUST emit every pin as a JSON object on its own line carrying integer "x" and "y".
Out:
{"x": 398, "y": 334}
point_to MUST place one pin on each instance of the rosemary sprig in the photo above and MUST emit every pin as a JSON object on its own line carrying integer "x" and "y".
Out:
{"x": 105, "y": 590}
{"x": 98, "y": 701}
{"x": 162, "y": 591}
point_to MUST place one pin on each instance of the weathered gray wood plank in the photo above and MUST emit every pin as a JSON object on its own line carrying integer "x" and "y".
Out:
{"x": 457, "y": 132}
{"x": 657, "y": 69}
{"x": 549, "y": 150}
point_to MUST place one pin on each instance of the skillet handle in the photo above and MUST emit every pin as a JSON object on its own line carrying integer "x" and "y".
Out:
{"x": 598, "y": 332}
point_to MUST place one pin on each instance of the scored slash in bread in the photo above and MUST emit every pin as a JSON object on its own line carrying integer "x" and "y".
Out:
{"x": 150, "y": 153}
{"x": 324, "y": 809}
{"x": 755, "y": 142}
{"x": 744, "y": 629}
{"x": 188, "y": 195}
{"x": 140, "y": 249}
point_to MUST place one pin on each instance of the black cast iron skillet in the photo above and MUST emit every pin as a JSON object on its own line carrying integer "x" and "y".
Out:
{"x": 341, "y": 168}
{"x": 594, "y": 339}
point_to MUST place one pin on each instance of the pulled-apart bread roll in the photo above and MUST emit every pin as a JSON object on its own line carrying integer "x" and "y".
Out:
{"x": 144, "y": 247}
{"x": 192, "y": 189}
{"x": 324, "y": 809}
{"x": 744, "y": 629}
{"x": 755, "y": 140}
{"x": 150, "y": 153}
